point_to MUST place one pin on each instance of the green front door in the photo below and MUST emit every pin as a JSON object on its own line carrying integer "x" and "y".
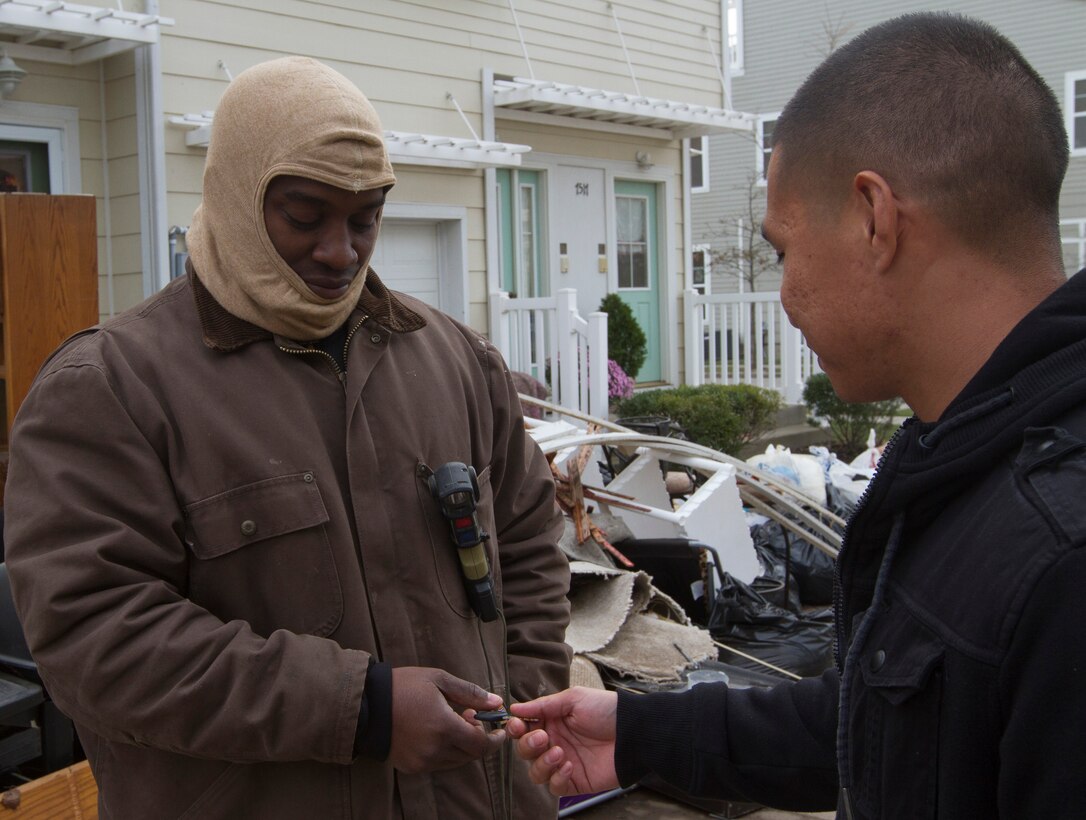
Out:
{"x": 638, "y": 266}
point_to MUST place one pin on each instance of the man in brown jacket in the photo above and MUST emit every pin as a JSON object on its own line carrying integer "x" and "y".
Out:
{"x": 222, "y": 542}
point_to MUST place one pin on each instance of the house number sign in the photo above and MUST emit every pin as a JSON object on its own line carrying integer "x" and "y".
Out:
{"x": 581, "y": 188}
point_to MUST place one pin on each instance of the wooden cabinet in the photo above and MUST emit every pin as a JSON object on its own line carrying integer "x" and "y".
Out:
{"x": 48, "y": 286}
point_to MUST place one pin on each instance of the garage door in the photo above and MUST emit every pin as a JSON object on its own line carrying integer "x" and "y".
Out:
{"x": 406, "y": 258}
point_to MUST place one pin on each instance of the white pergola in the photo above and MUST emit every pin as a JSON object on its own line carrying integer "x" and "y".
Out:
{"x": 51, "y": 31}
{"x": 404, "y": 147}
{"x": 538, "y": 100}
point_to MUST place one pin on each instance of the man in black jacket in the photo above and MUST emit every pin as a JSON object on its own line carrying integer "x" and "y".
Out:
{"x": 913, "y": 200}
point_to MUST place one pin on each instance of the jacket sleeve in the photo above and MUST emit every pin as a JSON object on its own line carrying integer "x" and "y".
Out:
{"x": 1043, "y": 699}
{"x": 770, "y": 746}
{"x": 535, "y": 572}
{"x": 98, "y": 568}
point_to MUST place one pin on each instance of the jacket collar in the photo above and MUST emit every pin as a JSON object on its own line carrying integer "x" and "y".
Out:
{"x": 225, "y": 332}
{"x": 1034, "y": 376}
{"x": 1037, "y": 373}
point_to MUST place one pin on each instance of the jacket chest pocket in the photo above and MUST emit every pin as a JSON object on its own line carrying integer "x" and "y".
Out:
{"x": 261, "y": 554}
{"x": 894, "y": 720}
{"x": 446, "y": 559}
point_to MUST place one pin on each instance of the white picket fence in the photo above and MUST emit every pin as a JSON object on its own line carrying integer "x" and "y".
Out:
{"x": 548, "y": 339}
{"x": 745, "y": 338}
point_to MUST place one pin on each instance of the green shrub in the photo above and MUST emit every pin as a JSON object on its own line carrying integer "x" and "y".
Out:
{"x": 626, "y": 342}
{"x": 721, "y": 416}
{"x": 850, "y": 422}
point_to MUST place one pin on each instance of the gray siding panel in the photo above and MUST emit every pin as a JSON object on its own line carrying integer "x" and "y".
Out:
{"x": 785, "y": 39}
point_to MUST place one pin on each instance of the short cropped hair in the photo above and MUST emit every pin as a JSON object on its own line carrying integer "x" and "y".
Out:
{"x": 948, "y": 111}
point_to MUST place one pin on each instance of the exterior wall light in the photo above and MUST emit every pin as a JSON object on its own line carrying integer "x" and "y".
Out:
{"x": 10, "y": 75}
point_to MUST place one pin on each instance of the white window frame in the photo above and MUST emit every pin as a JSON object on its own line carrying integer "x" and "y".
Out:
{"x": 707, "y": 266}
{"x": 700, "y": 156}
{"x": 451, "y": 222}
{"x": 759, "y": 146}
{"x": 737, "y": 62}
{"x": 55, "y": 125}
{"x": 1071, "y": 116}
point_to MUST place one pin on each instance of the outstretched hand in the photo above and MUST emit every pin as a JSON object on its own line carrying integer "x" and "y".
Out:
{"x": 573, "y": 751}
{"x": 429, "y": 732}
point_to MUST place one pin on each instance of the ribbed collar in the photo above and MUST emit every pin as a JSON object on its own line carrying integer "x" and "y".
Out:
{"x": 225, "y": 332}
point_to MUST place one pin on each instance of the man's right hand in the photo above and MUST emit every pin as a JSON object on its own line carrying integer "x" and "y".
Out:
{"x": 428, "y": 731}
{"x": 574, "y": 750}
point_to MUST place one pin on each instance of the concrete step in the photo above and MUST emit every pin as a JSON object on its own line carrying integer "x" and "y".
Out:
{"x": 790, "y": 415}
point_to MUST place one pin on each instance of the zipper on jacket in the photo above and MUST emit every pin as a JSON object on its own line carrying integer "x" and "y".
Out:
{"x": 350, "y": 335}
{"x": 339, "y": 372}
{"x": 838, "y": 600}
{"x": 846, "y": 801}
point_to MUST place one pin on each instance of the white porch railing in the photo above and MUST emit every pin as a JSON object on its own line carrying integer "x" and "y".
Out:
{"x": 1073, "y": 236}
{"x": 548, "y": 339}
{"x": 745, "y": 338}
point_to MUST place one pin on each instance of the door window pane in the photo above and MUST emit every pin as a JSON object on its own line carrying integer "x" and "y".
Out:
{"x": 633, "y": 246}
{"x": 527, "y": 240}
{"x": 699, "y": 176}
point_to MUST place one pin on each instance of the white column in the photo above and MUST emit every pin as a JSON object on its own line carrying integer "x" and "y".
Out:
{"x": 499, "y": 331}
{"x": 695, "y": 367}
{"x": 566, "y": 307}
{"x": 598, "y": 399}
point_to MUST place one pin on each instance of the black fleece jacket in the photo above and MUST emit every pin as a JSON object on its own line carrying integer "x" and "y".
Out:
{"x": 960, "y": 688}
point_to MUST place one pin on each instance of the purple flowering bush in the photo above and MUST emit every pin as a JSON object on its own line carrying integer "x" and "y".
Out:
{"x": 619, "y": 385}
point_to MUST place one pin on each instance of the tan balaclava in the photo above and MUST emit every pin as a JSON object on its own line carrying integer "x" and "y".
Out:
{"x": 291, "y": 116}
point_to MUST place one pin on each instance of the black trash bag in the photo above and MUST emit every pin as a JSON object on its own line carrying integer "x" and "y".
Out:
{"x": 840, "y": 502}
{"x": 812, "y": 569}
{"x": 742, "y": 618}
{"x": 775, "y": 588}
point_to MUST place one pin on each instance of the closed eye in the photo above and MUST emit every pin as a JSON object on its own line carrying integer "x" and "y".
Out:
{"x": 301, "y": 224}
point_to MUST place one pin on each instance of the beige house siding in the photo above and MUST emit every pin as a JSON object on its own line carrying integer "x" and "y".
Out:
{"x": 124, "y": 259}
{"x": 409, "y": 56}
{"x": 417, "y": 60}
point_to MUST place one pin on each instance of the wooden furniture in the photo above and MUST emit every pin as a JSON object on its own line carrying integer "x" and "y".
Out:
{"x": 68, "y": 794}
{"x": 48, "y": 286}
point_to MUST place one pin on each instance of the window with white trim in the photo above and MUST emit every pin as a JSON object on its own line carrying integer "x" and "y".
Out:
{"x": 1075, "y": 111}
{"x": 764, "y": 147}
{"x": 701, "y": 268}
{"x": 699, "y": 165}
{"x": 732, "y": 13}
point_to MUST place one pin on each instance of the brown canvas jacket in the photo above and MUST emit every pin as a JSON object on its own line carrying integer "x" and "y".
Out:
{"x": 210, "y": 535}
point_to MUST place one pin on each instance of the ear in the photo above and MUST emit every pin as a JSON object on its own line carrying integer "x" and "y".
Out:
{"x": 882, "y": 216}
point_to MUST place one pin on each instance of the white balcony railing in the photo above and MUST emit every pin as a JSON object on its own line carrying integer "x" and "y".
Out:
{"x": 549, "y": 340}
{"x": 745, "y": 338}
